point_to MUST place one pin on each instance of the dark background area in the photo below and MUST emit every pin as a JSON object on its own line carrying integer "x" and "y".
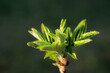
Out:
{"x": 18, "y": 16}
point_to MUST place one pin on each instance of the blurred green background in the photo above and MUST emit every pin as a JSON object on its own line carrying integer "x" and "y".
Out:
{"x": 18, "y": 16}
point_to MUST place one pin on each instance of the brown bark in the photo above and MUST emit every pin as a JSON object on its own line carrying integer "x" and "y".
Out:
{"x": 62, "y": 65}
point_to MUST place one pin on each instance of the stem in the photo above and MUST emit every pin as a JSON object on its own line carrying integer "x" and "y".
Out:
{"x": 62, "y": 63}
{"x": 61, "y": 71}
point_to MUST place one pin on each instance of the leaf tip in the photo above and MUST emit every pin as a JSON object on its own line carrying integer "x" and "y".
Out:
{"x": 83, "y": 21}
{"x": 97, "y": 32}
{"x": 29, "y": 44}
{"x": 33, "y": 29}
{"x": 42, "y": 24}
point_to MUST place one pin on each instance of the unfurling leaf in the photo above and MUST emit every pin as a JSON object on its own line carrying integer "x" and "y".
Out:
{"x": 54, "y": 64}
{"x": 45, "y": 32}
{"x": 62, "y": 36}
{"x": 52, "y": 55}
{"x": 62, "y": 25}
{"x": 36, "y": 34}
{"x": 42, "y": 43}
{"x": 45, "y": 48}
{"x": 79, "y": 30}
{"x": 71, "y": 52}
{"x": 52, "y": 36}
{"x": 81, "y": 42}
{"x": 68, "y": 36}
{"x": 32, "y": 44}
{"x": 88, "y": 35}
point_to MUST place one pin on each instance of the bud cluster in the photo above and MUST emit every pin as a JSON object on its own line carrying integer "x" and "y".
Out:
{"x": 62, "y": 63}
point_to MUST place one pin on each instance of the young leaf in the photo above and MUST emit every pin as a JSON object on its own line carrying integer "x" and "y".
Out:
{"x": 81, "y": 42}
{"x": 79, "y": 30}
{"x": 36, "y": 34}
{"x": 88, "y": 35}
{"x": 50, "y": 53}
{"x": 42, "y": 43}
{"x": 61, "y": 36}
{"x": 62, "y": 25}
{"x": 32, "y": 44}
{"x": 47, "y": 35}
{"x": 54, "y": 64}
{"x": 68, "y": 36}
{"x": 44, "y": 32}
{"x": 52, "y": 36}
{"x": 53, "y": 57}
{"x": 55, "y": 45}
{"x": 45, "y": 48}
{"x": 71, "y": 52}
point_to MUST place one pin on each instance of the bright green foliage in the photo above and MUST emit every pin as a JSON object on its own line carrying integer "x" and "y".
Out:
{"x": 62, "y": 42}
{"x": 69, "y": 36}
{"x": 71, "y": 52}
{"x": 32, "y": 44}
{"x": 81, "y": 42}
{"x": 52, "y": 54}
{"x": 45, "y": 32}
{"x": 36, "y": 34}
{"x": 79, "y": 30}
{"x": 62, "y": 25}
{"x": 89, "y": 35}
